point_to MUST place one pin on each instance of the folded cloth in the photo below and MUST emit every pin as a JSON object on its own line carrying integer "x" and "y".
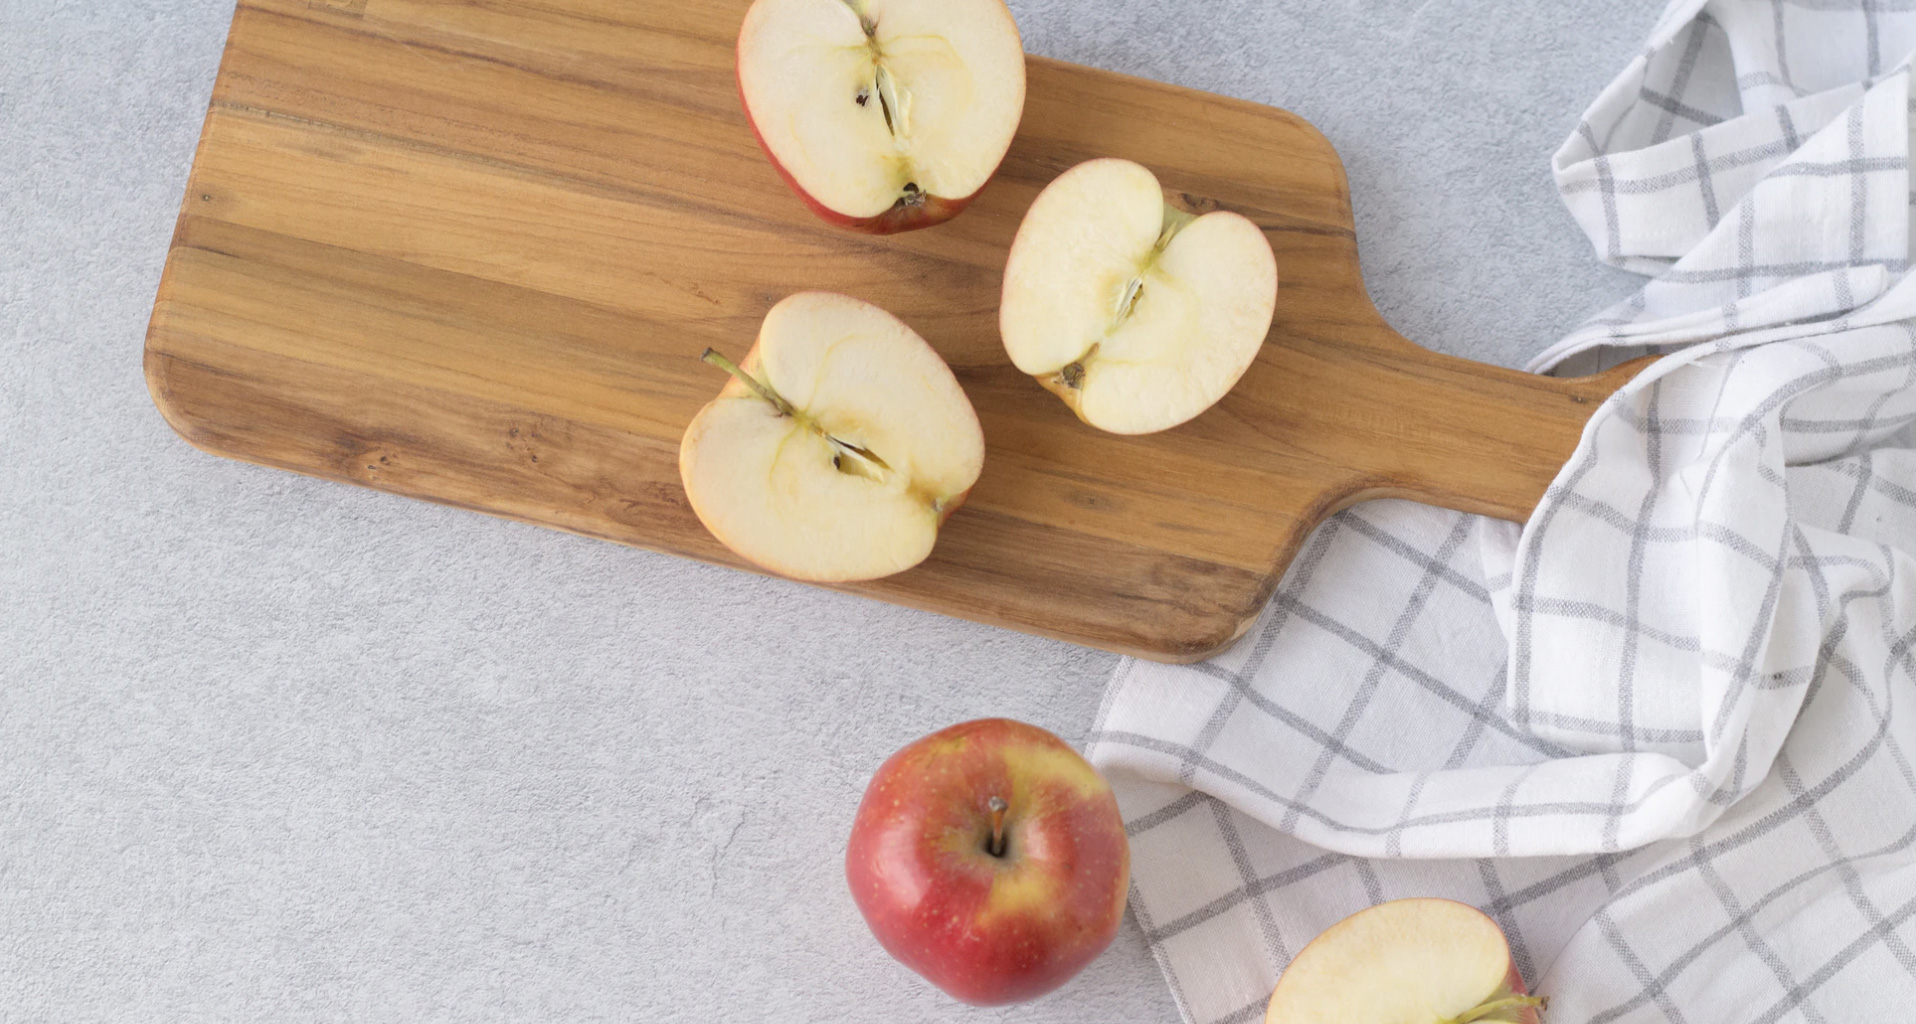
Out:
{"x": 1663, "y": 733}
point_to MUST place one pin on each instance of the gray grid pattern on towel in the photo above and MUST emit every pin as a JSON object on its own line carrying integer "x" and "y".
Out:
{"x": 1656, "y": 734}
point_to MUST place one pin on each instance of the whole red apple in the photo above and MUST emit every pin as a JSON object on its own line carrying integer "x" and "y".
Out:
{"x": 990, "y": 858}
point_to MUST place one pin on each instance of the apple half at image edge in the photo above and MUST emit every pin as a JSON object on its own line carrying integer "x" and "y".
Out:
{"x": 882, "y": 115}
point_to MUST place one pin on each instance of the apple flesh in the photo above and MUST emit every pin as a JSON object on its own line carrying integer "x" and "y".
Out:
{"x": 1138, "y": 314}
{"x": 990, "y": 858}
{"x": 1415, "y": 961}
{"x": 883, "y": 115}
{"x": 839, "y": 447}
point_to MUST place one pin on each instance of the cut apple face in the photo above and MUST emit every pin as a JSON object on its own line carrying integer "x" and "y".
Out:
{"x": 838, "y": 448}
{"x": 883, "y": 115}
{"x": 1136, "y": 313}
{"x": 1415, "y": 961}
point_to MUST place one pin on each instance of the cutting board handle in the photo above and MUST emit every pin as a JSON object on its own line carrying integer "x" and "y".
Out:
{"x": 1466, "y": 435}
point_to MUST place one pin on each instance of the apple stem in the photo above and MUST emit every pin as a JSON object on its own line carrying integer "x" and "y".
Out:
{"x": 865, "y": 462}
{"x": 784, "y": 408}
{"x": 864, "y": 22}
{"x": 998, "y": 808}
{"x": 1485, "y": 1010}
{"x": 1175, "y": 220}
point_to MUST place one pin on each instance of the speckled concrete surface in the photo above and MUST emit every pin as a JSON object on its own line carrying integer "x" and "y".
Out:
{"x": 273, "y": 749}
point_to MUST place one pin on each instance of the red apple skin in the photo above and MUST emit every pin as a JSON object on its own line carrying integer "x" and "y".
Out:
{"x": 929, "y": 211}
{"x": 954, "y": 505}
{"x": 1514, "y": 982}
{"x": 990, "y": 930}
{"x": 1514, "y": 986}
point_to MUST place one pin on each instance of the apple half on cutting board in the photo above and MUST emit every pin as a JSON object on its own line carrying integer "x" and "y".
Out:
{"x": 1413, "y": 961}
{"x": 1138, "y": 314}
{"x": 883, "y": 115}
{"x": 838, "y": 448}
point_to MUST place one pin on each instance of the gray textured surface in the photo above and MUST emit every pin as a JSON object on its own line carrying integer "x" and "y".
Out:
{"x": 277, "y": 749}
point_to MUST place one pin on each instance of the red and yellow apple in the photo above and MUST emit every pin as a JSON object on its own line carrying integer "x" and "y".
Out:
{"x": 1414, "y": 961}
{"x": 838, "y": 448}
{"x": 883, "y": 115}
{"x": 1138, "y": 314}
{"x": 990, "y": 858}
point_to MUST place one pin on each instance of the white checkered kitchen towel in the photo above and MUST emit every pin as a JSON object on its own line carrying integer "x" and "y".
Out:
{"x": 1663, "y": 733}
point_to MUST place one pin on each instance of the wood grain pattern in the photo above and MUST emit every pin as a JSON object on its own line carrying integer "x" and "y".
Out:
{"x": 470, "y": 251}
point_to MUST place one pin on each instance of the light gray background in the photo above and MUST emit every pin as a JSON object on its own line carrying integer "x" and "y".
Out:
{"x": 273, "y": 749}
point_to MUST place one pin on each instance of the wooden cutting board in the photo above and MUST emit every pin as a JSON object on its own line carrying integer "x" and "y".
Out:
{"x": 470, "y": 251}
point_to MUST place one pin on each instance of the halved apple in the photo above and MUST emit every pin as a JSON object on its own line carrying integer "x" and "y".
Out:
{"x": 883, "y": 115}
{"x": 839, "y": 447}
{"x": 1415, "y": 961}
{"x": 1138, "y": 314}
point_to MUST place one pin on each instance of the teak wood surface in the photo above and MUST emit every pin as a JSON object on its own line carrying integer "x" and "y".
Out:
{"x": 470, "y": 252}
